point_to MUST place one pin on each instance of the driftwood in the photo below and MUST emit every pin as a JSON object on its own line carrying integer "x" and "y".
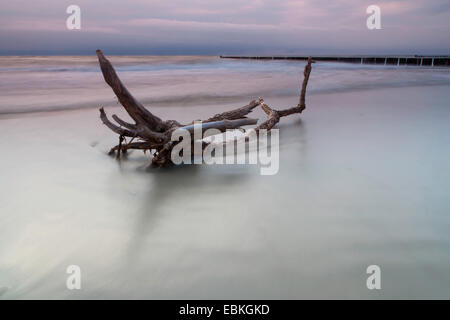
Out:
{"x": 154, "y": 134}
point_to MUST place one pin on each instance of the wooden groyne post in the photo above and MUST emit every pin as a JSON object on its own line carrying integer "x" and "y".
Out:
{"x": 412, "y": 60}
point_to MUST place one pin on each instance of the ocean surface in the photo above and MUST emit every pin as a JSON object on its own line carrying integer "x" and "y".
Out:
{"x": 364, "y": 179}
{"x": 65, "y": 82}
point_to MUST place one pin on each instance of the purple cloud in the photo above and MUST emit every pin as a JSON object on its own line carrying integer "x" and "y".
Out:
{"x": 225, "y": 26}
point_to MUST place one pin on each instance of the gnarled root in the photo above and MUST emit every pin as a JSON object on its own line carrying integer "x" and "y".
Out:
{"x": 154, "y": 134}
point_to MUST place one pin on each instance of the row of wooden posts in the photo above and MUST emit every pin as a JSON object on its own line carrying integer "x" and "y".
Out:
{"x": 431, "y": 61}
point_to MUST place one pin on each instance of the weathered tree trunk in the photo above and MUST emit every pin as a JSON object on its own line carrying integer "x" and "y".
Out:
{"x": 154, "y": 134}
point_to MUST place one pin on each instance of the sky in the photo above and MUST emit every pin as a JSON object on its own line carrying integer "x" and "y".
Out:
{"x": 214, "y": 27}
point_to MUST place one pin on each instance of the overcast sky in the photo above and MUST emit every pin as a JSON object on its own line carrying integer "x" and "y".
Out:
{"x": 225, "y": 27}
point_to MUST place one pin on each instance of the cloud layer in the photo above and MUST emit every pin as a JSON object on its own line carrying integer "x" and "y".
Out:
{"x": 225, "y": 27}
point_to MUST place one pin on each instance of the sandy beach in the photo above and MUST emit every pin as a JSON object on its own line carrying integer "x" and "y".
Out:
{"x": 364, "y": 179}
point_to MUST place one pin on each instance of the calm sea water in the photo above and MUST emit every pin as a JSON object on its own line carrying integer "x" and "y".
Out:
{"x": 56, "y": 83}
{"x": 364, "y": 179}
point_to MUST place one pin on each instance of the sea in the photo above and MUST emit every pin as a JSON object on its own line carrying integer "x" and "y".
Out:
{"x": 363, "y": 184}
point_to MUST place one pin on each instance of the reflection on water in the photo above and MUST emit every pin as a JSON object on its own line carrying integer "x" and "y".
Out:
{"x": 178, "y": 185}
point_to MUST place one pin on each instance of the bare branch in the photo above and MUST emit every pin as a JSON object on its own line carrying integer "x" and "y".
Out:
{"x": 306, "y": 74}
{"x": 222, "y": 125}
{"x": 134, "y": 108}
{"x": 113, "y": 127}
{"x": 275, "y": 115}
{"x": 302, "y": 104}
{"x": 236, "y": 113}
{"x": 124, "y": 123}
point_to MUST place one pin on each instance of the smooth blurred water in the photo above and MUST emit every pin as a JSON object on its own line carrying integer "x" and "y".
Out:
{"x": 364, "y": 179}
{"x": 59, "y": 82}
